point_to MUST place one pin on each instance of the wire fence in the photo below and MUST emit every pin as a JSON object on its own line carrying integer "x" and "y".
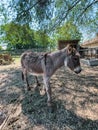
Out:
{"x": 85, "y": 53}
{"x": 20, "y": 51}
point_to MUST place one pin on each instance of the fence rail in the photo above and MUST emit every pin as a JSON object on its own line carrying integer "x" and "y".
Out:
{"x": 89, "y": 53}
{"x": 85, "y": 53}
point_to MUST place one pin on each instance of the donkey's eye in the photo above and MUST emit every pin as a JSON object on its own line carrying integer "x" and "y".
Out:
{"x": 75, "y": 59}
{"x": 69, "y": 49}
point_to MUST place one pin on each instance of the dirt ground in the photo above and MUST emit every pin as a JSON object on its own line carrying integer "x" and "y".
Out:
{"x": 75, "y": 101}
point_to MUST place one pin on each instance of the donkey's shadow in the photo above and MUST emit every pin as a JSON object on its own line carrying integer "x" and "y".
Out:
{"x": 35, "y": 107}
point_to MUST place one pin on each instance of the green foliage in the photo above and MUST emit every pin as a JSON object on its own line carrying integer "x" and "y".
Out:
{"x": 32, "y": 10}
{"x": 41, "y": 38}
{"x": 68, "y": 31}
{"x": 21, "y": 36}
{"x": 49, "y": 14}
{"x": 0, "y": 47}
{"x": 47, "y": 17}
{"x": 16, "y": 34}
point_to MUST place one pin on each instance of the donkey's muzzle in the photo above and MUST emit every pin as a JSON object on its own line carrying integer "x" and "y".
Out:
{"x": 77, "y": 70}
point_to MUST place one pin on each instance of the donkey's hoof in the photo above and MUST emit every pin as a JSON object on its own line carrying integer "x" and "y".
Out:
{"x": 38, "y": 84}
{"x": 50, "y": 109}
{"x": 49, "y": 104}
{"x": 29, "y": 89}
{"x": 42, "y": 92}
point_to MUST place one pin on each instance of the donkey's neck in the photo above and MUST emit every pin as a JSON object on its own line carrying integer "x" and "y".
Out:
{"x": 58, "y": 58}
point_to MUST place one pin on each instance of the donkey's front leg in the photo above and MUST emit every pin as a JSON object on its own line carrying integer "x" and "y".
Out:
{"x": 48, "y": 89}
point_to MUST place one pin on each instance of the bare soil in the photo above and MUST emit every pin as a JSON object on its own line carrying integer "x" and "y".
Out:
{"x": 75, "y": 101}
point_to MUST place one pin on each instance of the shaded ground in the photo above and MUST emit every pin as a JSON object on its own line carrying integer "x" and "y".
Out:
{"x": 75, "y": 101}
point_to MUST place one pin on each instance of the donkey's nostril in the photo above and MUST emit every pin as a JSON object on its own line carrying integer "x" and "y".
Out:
{"x": 77, "y": 70}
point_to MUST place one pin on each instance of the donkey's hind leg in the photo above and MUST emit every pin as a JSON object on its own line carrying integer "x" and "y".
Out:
{"x": 48, "y": 89}
{"x": 26, "y": 79}
{"x": 38, "y": 84}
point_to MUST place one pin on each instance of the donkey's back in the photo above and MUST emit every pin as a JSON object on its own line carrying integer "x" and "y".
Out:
{"x": 31, "y": 62}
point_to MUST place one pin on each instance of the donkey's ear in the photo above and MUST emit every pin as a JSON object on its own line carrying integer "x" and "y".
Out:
{"x": 75, "y": 52}
{"x": 69, "y": 49}
{"x": 78, "y": 54}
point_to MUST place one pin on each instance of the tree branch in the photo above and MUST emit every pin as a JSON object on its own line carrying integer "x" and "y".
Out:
{"x": 94, "y": 2}
{"x": 67, "y": 12}
{"x": 23, "y": 11}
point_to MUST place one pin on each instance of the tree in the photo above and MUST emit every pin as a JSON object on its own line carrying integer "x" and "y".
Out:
{"x": 68, "y": 31}
{"x": 41, "y": 38}
{"x": 0, "y": 47}
{"x": 21, "y": 36}
{"x": 38, "y": 11}
{"x": 17, "y": 36}
{"x": 47, "y": 15}
{"x": 50, "y": 14}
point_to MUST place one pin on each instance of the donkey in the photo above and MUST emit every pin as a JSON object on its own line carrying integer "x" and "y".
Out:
{"x": 48, "y": 63}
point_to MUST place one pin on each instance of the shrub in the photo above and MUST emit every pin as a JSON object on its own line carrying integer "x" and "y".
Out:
{"x": 5, "y": 59}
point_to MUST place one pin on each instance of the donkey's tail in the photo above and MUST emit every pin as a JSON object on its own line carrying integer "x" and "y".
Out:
{"x": 45, "y": 55}
{"x": 22, "y": 76}
{"x": 22, "y": 64}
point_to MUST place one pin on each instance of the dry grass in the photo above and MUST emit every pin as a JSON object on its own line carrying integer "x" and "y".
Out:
{"x": 75, "y": 101}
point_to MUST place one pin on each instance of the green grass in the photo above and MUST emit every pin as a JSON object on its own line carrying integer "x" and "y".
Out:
{"x": 16, "y": 58}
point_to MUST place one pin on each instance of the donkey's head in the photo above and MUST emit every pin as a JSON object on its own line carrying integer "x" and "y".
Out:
{"x": 73, "y": 59}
